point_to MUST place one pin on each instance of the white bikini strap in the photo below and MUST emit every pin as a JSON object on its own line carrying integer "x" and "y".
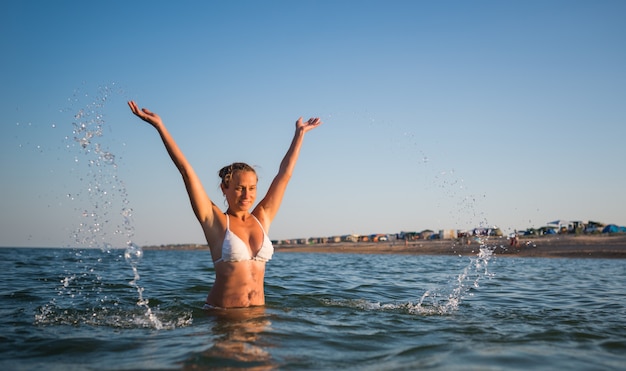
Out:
{"x": 260, "y": 225}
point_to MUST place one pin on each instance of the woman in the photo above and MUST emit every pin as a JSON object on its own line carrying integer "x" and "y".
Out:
{"x": 238, "y": 237}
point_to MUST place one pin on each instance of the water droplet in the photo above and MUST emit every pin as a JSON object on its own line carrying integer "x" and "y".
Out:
{"x": 133, "y": 253}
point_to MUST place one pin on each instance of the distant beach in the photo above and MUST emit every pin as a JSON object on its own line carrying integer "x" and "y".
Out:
{"x": 552, "y": 246}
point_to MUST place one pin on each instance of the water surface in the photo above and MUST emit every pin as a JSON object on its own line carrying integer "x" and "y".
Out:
{"x": 78, "y": 309}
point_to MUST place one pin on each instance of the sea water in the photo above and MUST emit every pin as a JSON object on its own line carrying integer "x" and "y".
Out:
{"x": 65, "y": 309}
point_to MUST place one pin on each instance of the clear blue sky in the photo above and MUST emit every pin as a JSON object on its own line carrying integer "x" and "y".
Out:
{"x": 437, "y": 114}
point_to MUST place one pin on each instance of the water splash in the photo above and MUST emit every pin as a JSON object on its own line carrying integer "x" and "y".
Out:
{"x": 96, "y": 168}
{"x": 434, "y": 302}
{"x": 89, "y": 294}
{"x": 443, "y": 300}
{"x": 106, "y": 220}
{"x": 133, "y": 255}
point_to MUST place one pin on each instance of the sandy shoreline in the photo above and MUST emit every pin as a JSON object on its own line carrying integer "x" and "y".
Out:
{"x": 556, "y": 246}
{"x": 559, "y": 246}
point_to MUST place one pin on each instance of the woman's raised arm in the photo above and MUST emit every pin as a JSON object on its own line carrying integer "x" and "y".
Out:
{"x": 269, "y": 205}
{"x": 200, "y": 202}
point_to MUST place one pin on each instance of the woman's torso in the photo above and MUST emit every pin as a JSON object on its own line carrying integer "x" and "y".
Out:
{"x": 239, "y": 269}
{"x": 238, "y": 284}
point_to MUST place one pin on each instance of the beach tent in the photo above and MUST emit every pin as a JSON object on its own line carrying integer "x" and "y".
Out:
{"x": 612, "y": 228}
{"x": 547, "y": 230}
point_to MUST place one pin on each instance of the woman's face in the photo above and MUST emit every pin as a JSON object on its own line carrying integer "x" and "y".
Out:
{"x": 241, "y": 192}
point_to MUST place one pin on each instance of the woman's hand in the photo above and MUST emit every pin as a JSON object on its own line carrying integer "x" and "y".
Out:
{"x": 145, "y": 114}
{"x": 305, "y": 126}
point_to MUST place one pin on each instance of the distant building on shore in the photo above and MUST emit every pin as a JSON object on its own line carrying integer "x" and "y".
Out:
{"x": 558, "y": 226}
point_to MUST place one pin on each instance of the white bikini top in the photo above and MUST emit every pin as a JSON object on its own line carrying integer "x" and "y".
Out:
{"x": 235, "y": 250}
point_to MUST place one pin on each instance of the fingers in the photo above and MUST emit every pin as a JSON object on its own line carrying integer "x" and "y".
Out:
{"x": 309, "y": 124}
{"x": 135, "y": 109}
{"x": 133, "y": 106}
{"x": 314, "y": 121}
{"x": 143, "y": 113}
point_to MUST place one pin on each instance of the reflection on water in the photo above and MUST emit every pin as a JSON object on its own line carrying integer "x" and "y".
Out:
{"x": 237, "y": 341}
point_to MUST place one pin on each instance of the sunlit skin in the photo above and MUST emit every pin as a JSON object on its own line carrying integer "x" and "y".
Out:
{"x": 237, "y": 284}
{"x": 241, "y": 193}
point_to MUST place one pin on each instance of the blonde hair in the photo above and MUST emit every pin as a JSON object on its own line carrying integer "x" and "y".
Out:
{"x": 226, "y": 173}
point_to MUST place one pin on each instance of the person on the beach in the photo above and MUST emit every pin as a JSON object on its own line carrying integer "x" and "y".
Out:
{"x": 238, "y": 237}
{"x": 515, "y": 240}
